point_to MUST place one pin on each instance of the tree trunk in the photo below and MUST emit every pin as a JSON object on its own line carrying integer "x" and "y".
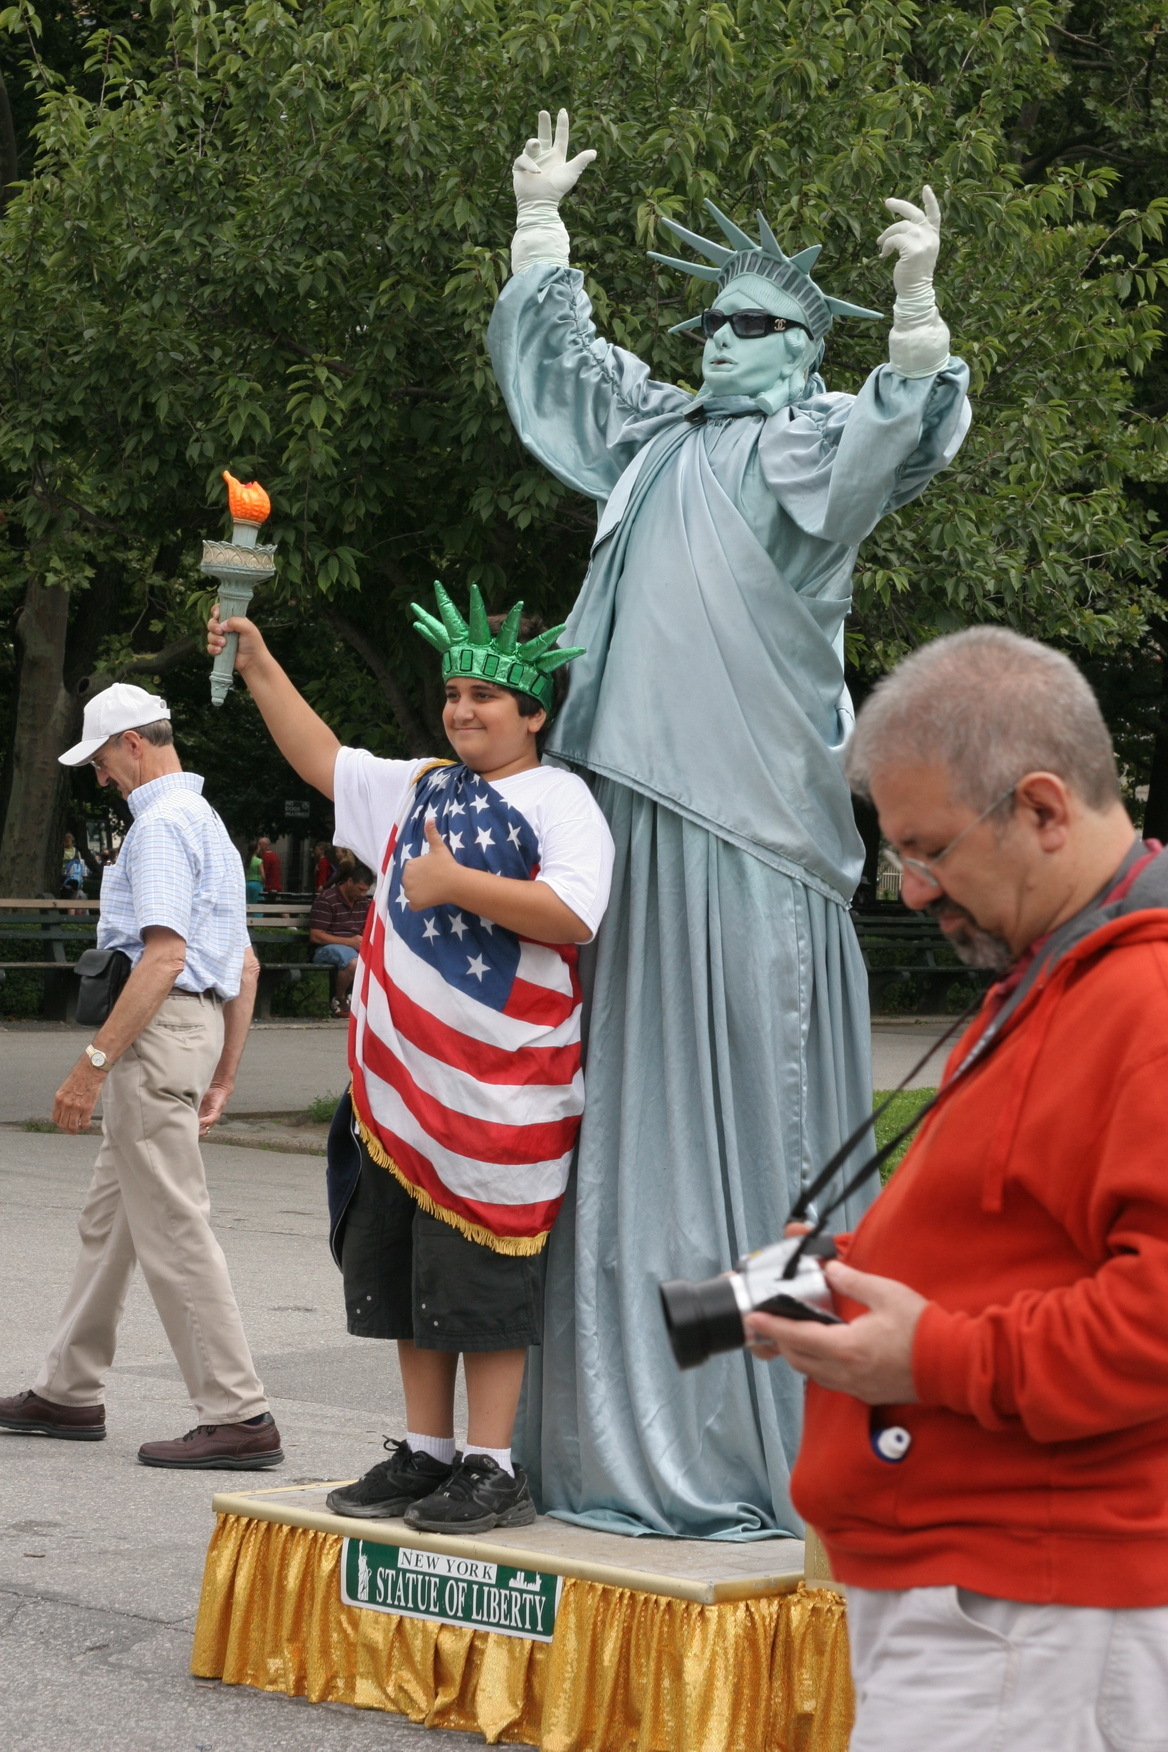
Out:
{"x": 1156, "y": 808}
{"x": 419, "y": 741}
{"x": 9, "y": 165}
{"x": 29, "y": 850}
{"x": 868, "y": 823}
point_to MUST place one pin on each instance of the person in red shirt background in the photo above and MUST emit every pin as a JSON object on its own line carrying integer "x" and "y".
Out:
{"x": 273, "y": 874}
{"x": 323, "y": 868}
{"x": 985, "y": 1451}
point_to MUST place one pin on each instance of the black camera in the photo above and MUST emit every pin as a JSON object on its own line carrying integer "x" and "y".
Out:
{"x": 704, "y": 1319}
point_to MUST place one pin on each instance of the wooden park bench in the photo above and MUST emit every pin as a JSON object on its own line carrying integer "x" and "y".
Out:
{"x": 906, "y": 950}
{"x": 279, "y": 935}
{"x": 46, "y": 936}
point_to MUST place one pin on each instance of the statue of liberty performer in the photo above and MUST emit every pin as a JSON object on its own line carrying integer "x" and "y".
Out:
{"x": 728, "y": 1047}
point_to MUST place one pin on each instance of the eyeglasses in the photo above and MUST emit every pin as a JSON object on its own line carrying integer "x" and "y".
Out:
{"x": 922, "y": 868}
{"x": 748, "y": 325}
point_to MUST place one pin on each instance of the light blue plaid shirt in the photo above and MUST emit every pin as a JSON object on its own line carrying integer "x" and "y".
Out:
{"x": 178, "y": 868}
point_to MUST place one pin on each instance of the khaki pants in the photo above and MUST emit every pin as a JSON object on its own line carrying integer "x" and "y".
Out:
{"x": 945, "y": 1670}
{"x": 148, "y": 1204}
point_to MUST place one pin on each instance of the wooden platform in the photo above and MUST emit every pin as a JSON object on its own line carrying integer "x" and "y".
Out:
{"x": 706, "y": 1570}
{"x": 550, "y": 1635}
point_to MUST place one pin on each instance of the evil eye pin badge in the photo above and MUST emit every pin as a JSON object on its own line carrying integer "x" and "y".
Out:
{"x": 891, "y": 1444}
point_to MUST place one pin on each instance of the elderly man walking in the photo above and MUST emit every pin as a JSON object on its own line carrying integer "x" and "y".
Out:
{"x": 164, "y": 1063}
{"x": 986, "y": 1444}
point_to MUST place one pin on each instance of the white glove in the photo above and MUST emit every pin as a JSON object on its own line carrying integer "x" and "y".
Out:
{"x": 918, "y": 345}
{"x": 543, "y": 174}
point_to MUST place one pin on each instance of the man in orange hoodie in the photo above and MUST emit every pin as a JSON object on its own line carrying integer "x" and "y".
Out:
{"x": 986, "y": 1441}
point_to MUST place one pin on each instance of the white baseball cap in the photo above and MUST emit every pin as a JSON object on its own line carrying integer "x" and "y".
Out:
{"x": 116, "y": 708}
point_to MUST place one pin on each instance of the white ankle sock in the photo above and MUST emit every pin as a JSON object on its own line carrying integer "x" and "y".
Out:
{"x": 438, "y": 1447}
{"x": 501, "y": 1456}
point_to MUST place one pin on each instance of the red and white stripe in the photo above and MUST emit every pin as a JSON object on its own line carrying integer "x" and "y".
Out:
{"x": 477, "y": 1109}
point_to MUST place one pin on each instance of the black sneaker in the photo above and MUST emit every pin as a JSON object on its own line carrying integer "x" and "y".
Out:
{"x": 477, "y": 1496}
{"x": 388, "y": 1489}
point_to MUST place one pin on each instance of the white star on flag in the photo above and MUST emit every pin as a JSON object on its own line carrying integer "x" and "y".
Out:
{"x": 513, "y": 834}
{"x": 478, "y": 967}
{"x": 407, "y": 854}
{"x": 431, "y": 930}
{"x": 456, "y": 809}
{"x": 459, "y": 926}
{"x": 401, "y": 900}
{"x": 455, "y": 842}
{"x": 487, "y": 924}
{"x": 483, "y": 837}
{"x": 478, "y": 803}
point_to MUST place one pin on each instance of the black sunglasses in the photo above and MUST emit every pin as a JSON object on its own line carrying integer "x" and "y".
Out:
{"x": 748, "y": 325}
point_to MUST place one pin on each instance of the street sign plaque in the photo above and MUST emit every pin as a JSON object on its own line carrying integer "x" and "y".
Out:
{"x": 449, "y": 1590}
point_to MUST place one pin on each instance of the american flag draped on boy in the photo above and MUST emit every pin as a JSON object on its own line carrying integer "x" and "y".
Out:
{"x": 464, "y": 1044}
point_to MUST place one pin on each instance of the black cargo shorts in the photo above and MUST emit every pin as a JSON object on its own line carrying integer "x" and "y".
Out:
{"x": 410, "y": 1275}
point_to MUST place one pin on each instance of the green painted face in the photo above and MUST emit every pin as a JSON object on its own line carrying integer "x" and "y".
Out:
{"x": 775, "y": 365}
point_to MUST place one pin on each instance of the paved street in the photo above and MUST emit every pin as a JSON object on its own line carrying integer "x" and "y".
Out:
{"x": 100, "y": 1558}
{"x": 287, "y": 1064}
{"x": 897, "y": 1047}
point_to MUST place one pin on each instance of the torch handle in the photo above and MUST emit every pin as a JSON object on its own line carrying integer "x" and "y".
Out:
{"x": 233, "y": 599}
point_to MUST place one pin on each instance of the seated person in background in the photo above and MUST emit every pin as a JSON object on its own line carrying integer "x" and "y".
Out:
{"x": 343, "y": 861}
{"x": 447, "y": 1171}
{"x": 336, "y": 926}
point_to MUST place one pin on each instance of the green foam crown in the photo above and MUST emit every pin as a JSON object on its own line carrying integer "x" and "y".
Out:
{"x": 469, "y": 648}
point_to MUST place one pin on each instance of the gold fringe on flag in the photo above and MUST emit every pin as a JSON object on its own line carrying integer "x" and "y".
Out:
{"x": 523, "y": 1245}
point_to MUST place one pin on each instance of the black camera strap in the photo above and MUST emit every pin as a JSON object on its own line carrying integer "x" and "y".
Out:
{"x": 876, "y": 1161}
{"x": 1097, "y": 912}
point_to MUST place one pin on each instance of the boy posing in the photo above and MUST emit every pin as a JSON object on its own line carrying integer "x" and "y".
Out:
{"x": 464, "y": 1046}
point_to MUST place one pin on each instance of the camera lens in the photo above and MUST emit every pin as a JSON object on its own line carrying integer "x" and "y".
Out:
{"x": 701, "y": 1319}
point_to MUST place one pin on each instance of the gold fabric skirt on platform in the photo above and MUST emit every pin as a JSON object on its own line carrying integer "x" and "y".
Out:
{"x": 625, "y": 1672}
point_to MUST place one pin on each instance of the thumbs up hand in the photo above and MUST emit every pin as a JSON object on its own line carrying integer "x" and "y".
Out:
{"x": 429, "y": 880}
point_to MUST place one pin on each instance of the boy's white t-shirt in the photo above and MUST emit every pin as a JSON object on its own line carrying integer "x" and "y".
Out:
{"x": 575, "y": 846}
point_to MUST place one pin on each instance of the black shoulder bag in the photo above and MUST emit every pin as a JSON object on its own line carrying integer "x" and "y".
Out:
{"x": 103, "y": 973}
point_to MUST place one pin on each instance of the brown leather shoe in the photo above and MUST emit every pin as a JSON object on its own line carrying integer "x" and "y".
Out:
{"x": 238, "y": 1447}
{"x": 27, "y": 1414}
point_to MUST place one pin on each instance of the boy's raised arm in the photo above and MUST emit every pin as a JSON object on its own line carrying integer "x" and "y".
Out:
{"x": 303, "y": 738}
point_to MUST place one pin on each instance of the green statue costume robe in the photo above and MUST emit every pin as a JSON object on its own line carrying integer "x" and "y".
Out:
{"x": 727, "y": 1038}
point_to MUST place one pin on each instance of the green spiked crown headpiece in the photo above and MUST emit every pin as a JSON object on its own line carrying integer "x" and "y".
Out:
{"x": 470, "y": 648}
{"x": 763, "y": 260}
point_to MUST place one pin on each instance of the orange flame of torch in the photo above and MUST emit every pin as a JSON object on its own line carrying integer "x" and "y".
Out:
{"x": 247, "y": 502}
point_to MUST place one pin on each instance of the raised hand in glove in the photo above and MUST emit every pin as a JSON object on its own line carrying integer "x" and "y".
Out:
{"x": 543, "y": 171}
{"x": 542, "y": 175}
{"x": 916, "y": 238}
{"x": 919, "y": 343}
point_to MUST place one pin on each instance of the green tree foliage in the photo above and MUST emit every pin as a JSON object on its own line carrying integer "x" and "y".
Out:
{"x": 270, "y": 236}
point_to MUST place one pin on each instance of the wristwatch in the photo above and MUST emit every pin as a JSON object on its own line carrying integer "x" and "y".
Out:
{"x": 97, "y": 1058}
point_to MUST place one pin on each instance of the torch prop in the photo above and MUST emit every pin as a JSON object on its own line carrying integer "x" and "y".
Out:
{"x": 239, "y": 564}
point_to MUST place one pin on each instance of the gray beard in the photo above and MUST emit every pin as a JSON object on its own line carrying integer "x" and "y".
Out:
{"x": 970, "y": 944}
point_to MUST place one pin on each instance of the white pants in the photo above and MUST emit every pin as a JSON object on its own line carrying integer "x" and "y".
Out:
{"x": 946, "y": 1670}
